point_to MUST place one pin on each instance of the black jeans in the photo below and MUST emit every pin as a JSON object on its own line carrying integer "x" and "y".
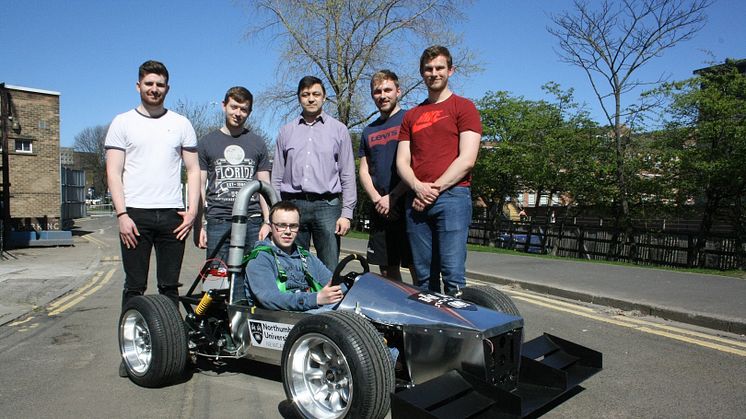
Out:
{"x": 156, "y": 228}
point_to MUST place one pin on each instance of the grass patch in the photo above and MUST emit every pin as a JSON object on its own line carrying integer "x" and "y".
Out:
{"x": 734, "y": 273}
{"x": 354, "y": 234}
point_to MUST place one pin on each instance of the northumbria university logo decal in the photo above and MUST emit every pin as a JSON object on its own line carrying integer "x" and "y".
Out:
{"x": 256, "y": 332}
{"x": 269, "y": 335}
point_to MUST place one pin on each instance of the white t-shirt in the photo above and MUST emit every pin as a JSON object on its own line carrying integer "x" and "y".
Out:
{"x": 152, "y": 162}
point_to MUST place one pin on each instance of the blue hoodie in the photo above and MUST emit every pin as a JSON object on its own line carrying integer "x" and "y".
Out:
{"x": 261, "y": 279}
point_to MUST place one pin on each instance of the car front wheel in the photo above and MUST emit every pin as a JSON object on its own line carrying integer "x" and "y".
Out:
{"x": 336, "y": 365}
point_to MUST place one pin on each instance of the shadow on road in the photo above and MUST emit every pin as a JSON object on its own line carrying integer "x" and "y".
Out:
{"x": 226, "y": 366}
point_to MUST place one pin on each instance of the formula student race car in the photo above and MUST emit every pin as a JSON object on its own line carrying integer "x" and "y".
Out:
{"x": 386, "y": 346}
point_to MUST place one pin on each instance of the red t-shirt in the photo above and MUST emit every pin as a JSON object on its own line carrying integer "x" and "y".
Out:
{"x": 433, "y": 132}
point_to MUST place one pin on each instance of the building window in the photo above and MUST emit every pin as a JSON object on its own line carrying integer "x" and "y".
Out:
{"x": 24, "y": 146}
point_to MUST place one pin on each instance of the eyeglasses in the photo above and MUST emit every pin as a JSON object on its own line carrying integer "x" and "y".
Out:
{"x": 285, "y": 226}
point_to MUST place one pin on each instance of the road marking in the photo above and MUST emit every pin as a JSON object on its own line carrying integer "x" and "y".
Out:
{"x": 634, "y": 320}
{"x": 19, "y": 322}
{"x": 80, "y": 295}
{"x": 29, "y": 327}
{"x": 650, "y": 327}
{"x": 93, "y": 240}
{"x": 551, "y": 300}
{"x": 684, "y": 331}
{"x": 56, "y": 303}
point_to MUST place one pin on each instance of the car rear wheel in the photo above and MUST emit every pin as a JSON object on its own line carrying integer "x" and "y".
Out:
{"x": 336, "y": 365}
{"x": 490, "y": 298}
{"x": 152, "y": 340}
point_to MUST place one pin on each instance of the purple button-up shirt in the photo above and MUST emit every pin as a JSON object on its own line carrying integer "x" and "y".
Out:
{"x": 316, "y": 158}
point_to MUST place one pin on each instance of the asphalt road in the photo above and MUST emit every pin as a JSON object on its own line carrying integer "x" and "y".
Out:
{"x": 62, "y": 362}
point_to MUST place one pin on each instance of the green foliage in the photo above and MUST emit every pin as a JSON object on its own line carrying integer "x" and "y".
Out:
{"x": 550, "y": 147}
{"x": 705, "y": 141}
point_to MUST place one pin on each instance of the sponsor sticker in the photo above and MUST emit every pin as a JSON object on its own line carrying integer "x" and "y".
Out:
{"x": 442, "y": 301}
{"x": 268, "y": 334}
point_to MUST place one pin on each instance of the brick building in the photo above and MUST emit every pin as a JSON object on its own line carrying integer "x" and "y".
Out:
{"x": 34, "y": 159}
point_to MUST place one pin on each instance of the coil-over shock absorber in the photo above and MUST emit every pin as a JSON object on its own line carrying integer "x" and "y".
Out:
{"x": 205, "y": 302}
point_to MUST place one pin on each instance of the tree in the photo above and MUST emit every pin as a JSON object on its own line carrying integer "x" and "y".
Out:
{"x": 205, "y": 117}
{"x": 91, "y": 142}
{"x": 706, "y": 138}
{"x": 208, "y": 116}
{"x": 611, "y": 42}
{"x": 545, "y": 147}
{"x": 345, "y": 41}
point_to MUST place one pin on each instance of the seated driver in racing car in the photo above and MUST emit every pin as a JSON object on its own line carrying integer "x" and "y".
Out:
{"x": 282, "y": 275}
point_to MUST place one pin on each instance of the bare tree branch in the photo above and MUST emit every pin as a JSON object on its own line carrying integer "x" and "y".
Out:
{"x": 344, "y": 42}
{"x": 611, "y": 41}
{"x": 91, "y": 142}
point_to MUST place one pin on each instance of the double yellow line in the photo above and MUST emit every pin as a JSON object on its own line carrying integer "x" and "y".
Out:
{"x": 717, "y": 343}
{"x": 98, "y": 280}
{"x": 94, "y": 240}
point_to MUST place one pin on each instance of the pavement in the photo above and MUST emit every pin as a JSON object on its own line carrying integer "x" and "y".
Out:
{"x": 31, "y": 278}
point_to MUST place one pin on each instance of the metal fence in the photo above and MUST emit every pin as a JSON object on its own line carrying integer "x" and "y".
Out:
{"x": 99, "y": 209}
{"x": 72, "y": 183}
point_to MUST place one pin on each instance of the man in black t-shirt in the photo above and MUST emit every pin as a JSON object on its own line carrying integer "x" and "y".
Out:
{"x": 228, "y": 158}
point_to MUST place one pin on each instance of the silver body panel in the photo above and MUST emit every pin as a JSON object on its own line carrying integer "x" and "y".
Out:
{"x": 440, "y": 333}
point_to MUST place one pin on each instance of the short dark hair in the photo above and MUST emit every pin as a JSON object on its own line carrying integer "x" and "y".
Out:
{"x": 283, "y": 206}
{"x": 382, "y": 75}
{"x": 240, "y": 94}
{"x": 152, "y": 67}
{"x": 430, "y": 53}
{"x": 309, "y": 81}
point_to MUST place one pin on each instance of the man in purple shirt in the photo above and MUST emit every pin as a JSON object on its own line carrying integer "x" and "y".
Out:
{"x": 314, "y": 167}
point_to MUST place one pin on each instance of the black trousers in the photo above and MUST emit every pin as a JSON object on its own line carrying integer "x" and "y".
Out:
{"x": 156, "y": 228}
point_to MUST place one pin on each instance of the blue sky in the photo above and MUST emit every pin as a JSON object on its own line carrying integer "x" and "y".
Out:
{"x": 89, "y": 51}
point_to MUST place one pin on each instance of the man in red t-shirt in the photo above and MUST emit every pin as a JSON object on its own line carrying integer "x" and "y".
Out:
{"x": 438, "y": 146}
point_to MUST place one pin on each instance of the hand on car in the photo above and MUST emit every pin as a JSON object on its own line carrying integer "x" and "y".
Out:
{"x": 330, "y": 294}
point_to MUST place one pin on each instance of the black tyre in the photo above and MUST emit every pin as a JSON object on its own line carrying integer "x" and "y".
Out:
{"x": 490, "y": 298}
{"x": 152, "y": 340}
{"x": 336, "y": 365}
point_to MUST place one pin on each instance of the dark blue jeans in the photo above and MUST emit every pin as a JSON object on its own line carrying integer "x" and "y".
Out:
{"x": 217, "y": 227}
{"x": 318, "y": 219}
{"x": 156, "y": 228}
{"x": 438, "y": 239}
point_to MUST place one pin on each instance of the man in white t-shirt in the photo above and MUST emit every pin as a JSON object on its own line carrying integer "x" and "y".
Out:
{"x": 144, "y": 151}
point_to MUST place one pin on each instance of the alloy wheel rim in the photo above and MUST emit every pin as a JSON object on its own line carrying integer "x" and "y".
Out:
{"x": 320, "y": 379}
{"x": 135, "y": 343}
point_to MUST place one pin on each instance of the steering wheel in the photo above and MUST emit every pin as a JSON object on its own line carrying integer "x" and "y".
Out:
{"x": 349, "y": 278}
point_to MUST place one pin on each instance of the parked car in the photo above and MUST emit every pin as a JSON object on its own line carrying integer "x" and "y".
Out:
{"x": 517, "y": 241}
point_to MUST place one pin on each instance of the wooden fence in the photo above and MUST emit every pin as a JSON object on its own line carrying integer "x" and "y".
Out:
{"x": 721, "y": 251}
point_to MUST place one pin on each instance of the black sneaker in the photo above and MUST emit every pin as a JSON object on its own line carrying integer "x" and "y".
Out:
{"x": 123, "y": 370}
